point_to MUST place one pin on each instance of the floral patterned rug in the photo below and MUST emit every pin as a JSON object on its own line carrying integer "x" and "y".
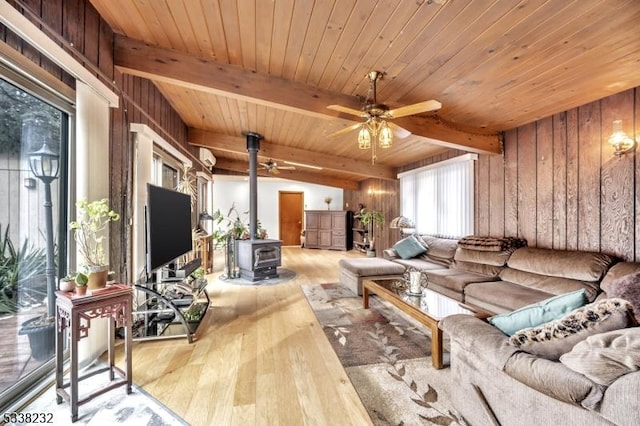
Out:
{"x": 386, "y": 355}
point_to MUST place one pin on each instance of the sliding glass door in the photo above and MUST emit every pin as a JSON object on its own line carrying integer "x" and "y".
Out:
{"x": 34, "y": 140}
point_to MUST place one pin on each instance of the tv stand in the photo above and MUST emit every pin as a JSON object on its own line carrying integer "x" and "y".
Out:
{"x": 178, "y": 274}
{"x": 169, "y": 309}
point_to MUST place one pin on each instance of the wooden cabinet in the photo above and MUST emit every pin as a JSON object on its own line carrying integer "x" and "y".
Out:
{"x": 327, "y": 229}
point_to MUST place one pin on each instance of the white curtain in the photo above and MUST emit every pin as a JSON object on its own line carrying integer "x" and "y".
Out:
{"x": 439, "y": 197}
{"x": 91, "y": 183}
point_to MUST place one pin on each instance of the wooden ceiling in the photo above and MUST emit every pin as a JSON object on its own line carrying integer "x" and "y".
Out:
{"x": 272, "y": 67}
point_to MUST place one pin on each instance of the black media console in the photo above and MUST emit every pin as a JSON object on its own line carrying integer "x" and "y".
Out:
{"x": 170, "y": 306}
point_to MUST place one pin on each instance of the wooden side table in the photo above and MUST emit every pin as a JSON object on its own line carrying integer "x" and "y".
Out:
{"x": 75, "y": 314}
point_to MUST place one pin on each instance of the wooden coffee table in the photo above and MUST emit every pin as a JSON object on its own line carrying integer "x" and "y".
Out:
{"x": 429, "y": 308}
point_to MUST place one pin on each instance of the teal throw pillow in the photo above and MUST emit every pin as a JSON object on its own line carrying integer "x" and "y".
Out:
{"x": 539, "y": 313}
{"x": 409, "y": 247}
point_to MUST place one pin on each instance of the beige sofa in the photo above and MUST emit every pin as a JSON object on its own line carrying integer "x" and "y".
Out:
{"x": 499, "y": 383}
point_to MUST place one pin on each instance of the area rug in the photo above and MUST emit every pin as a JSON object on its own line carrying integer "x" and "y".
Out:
{"x": 284, "y": 275}
{"x": 111, "y": 408}
{"x": 386, "y": 355}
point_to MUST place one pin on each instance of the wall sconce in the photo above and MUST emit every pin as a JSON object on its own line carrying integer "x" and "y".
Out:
{"x": 620, "y": 141}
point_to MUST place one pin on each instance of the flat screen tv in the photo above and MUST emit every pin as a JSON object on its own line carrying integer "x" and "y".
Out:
{"x": 168, "y": 226}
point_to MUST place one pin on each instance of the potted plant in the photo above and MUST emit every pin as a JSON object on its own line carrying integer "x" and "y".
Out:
{"x": 371, "y": 218}
{"x": 89, "y": 232}
{"x": 81, "y": 284}
{"x": 67, "y": 283}
{"x": 328, "y": 201}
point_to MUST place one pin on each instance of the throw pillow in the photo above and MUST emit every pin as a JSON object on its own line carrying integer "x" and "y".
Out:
{"x": 606, "y": 356}
{"x": 626, "y": 287}
{"x": 409, "y": 247}
{"x": 538, "y": 313}
{"x": 553, "y": 339}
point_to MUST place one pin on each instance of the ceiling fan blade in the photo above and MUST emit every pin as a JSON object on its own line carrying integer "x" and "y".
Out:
{"x": 398, "y": 131}
{"x": 347, "y": 110}
{"x": 414, "y": 109}
{"x": 345, "y": 130}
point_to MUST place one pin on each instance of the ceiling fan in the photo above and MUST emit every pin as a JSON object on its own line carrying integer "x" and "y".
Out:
{"x": 273, "y": 167}
{"x": 377, "y": 118}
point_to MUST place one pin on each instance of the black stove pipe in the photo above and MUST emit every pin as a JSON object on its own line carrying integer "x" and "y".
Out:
{"x": 253, "y": 146}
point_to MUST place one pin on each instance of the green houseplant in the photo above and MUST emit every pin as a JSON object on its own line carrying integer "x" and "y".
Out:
{"x": 371, "y": 219}
{"x": 90, "y": 234}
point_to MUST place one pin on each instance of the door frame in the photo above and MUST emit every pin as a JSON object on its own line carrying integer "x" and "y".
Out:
{"x": 301, "y": 219}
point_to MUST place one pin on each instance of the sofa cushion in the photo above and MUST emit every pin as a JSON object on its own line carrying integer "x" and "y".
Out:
{"x": 626, "y": 287}
{"x": 619, "y": 270}
{"x": 553, "y": 339}
{"x": 575, "y": 265}
{"x": 554, "y": 379}
{"x": 409, "y": 247}
{"x": 549, "y": 284}
{"x": 502, "y": 296}
{"x": 606, "y": 356}
{"x": 478, "y": 268}
{"x": 494, "y": 258}
{"x": 370, "y": 266}
{"x": 419, "y": 264}
{"x": 538, "y": 313}
{"x": 455, "y": 279}
{"x": 441, "y": 250}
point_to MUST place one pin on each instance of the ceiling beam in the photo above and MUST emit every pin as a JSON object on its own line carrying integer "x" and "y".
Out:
{"x": 238, "y": 145}
{"x": 318, "y": 179}
{"x": 185, "y": 70}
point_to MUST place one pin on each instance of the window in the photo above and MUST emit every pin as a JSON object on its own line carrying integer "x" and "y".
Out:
{"x": 31, "y": 120}
{"x": 439, "y": 197}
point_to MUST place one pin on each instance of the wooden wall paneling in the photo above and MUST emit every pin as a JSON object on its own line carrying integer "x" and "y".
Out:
{"x": 617, "y": 193}
{"x": 510, "y": 183}
{"x": 589, "y": 177}
{"x": 572, "y": 179}
{"x": 51, "y": 14}
{"x": 484, "y": 196}
{"x": 497, "y": 196}
{"x": 560, "y": 181}
{"x": 105, "y": 50}
{"x": 527, "y": 204}
{"x": 91, "y": 32}
{"x": 544, "y": 183}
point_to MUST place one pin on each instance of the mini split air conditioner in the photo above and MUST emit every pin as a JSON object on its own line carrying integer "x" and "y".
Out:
{"x": 207, "y": 157}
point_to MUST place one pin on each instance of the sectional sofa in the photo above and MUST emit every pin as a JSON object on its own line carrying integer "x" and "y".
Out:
{"x": 499, "y": 382}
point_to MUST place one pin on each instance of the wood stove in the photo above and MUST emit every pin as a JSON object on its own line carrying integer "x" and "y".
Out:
{"x": 257, "y": 259}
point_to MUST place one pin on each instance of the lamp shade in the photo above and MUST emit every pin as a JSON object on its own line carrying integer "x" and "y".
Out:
{"x": 386, "y": 136}
{"x": 364, "y": 138}
{"x": 45, "y": 163}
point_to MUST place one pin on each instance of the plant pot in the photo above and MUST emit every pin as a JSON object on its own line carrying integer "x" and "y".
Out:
{"x": 67, "y": 285}
{"x": 81, "y": 290}
{"x": 42, "y": 338}
{"x": 97, "y": 277}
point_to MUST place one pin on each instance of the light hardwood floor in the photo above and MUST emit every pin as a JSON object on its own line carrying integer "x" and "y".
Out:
{"x": 261, "y": 358}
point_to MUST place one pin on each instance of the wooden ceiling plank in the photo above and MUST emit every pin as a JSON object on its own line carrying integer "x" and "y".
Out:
{"x": 196, "y": 15}
{"x": 386, "y": 46}
{"x": 241, "y": 167}
{"x": 188, "y": 33}
{"x": 215, "y": 30}
{"x": 312, "y": 40}
{"x": 231, "y": 26}
{"x": 159, "y": 12}
{"x": 336, "y": 23}
{"x": 281, "y": 30}
{"x": 199, "y": 73}
{"x": 300, "y": 19}
{"x": 454, "y": 54}
{"x": 361, "y": 46}
{"x": 264, "y": 30}
{"x": 237, "y": 144}
{"x": 248, "y": 31}
{"x": 354, "y": 26}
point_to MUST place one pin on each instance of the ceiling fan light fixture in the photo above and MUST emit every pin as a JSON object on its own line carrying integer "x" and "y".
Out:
{"x": 364, "y": 138}
{"x": 385, "y": 138}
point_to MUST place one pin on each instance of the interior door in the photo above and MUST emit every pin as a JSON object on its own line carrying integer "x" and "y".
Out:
{"x": 291, "y": 208}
